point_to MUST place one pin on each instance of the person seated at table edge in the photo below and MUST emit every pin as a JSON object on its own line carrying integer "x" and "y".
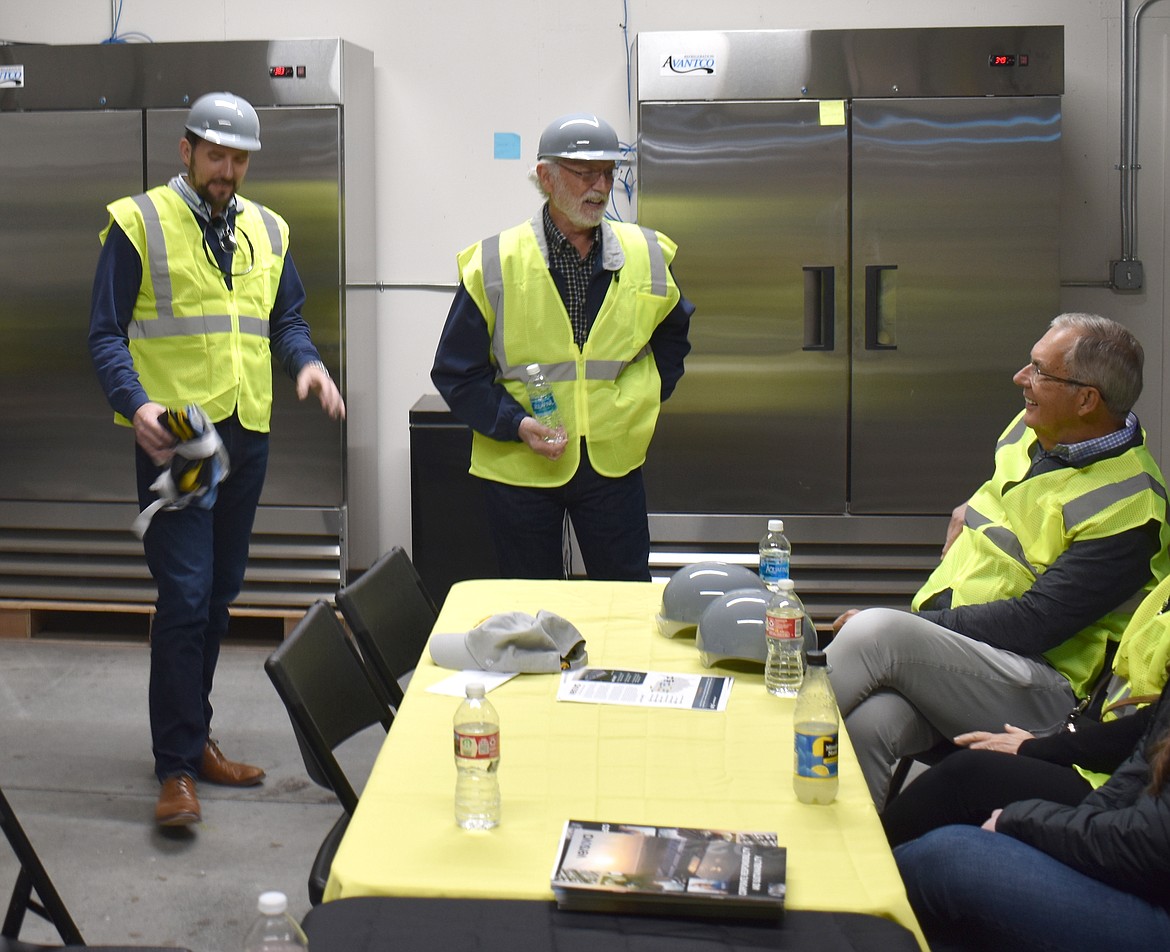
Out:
{"x": 1040, "y": 567}
{"x": 996, "y": 768}
{"x": 1039, "y": 874}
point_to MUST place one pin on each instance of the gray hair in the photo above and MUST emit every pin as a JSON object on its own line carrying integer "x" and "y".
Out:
{"x": 1106, "y": 355}
{"x": 534, "y": 176}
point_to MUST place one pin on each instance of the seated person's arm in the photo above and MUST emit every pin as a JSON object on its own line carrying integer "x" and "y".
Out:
{"x": 1095, "y": 745}
{"x": 1090, "y": 579}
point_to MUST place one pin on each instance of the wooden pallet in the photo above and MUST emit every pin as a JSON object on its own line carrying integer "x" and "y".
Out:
{"x": 29, "y": 618}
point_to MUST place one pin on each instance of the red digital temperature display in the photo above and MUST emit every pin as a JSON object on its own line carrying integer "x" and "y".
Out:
{"x": 1001, "y": 59}
{"x": 281, "y": 72}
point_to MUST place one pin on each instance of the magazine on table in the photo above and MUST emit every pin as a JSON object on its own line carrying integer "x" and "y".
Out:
{"x": 618, "y": 867}
{"x": 697, "y": 692}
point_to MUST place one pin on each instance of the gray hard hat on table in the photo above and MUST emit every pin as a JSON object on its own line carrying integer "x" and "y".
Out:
{"x": 693, "y": 587}
{"x": 225, "y": 119}
{"x": 733, "y": 628}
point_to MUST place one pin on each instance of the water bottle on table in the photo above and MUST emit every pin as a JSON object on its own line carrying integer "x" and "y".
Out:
{"x": 815, "y": 725}
{"x": 477, "y": 760}
{"x": 775, "y": 554}
{"x": 544, "y": 403}
{"x": 784, "y": 627}
{"x": 274, "y": 929}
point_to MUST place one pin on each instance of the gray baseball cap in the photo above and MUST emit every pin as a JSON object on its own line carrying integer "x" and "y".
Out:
{"x": 513, "y": 642}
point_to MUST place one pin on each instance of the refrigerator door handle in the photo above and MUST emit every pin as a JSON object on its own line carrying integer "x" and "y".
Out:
{"x": 880, "y": 308}
{"x": 820, "y": 309}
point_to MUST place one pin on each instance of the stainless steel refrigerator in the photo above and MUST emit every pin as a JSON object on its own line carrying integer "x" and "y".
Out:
{"x": 868, "y": 224}
{"x": 84, "y": 125}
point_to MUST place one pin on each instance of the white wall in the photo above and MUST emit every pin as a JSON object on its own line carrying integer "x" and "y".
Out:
{"x": 451, "y": 74}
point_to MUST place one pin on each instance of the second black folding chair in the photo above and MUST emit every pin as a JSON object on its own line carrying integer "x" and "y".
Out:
{"x": 329, "y": 698}
{"x": 391, "y": 616}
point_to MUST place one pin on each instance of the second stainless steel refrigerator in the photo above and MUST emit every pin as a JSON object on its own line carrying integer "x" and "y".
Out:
{"x": 868, "y": 223}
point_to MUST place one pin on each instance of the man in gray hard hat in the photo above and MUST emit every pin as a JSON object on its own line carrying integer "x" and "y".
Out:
{"x": 194, "y": 293}
{"x": 593, "y": 302}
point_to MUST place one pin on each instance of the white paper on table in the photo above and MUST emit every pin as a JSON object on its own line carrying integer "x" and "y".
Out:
{"x": 456, "y": 685}
{"x": 699, "y": 692}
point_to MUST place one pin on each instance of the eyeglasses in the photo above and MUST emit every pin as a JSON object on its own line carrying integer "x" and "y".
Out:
{"x": 591, "y": 176}
{"x": 225, "y": 237}
{"x": 1037, "y": 372}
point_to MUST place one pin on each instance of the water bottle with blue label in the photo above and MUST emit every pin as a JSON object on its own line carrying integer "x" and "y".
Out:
{"x": 544, "y": 404}
{"x": 775, "y": 554}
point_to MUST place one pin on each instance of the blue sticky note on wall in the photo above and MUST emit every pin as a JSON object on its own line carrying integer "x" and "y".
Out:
{"x": 507, "y": 145}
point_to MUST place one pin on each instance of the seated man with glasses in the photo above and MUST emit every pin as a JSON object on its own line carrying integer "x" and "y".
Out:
{"x": 1042, "y": 567}
{"x": 593, "y": 302}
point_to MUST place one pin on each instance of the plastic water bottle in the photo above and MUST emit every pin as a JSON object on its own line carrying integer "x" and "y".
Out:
{"x": 784, "y": 627}
{"x": 775, "y": 554}
{"x": 274, "y": 929}
{"x": 477, "y": 759}
{"x": 544, "y": 404}
{"x": 815, "y": 724}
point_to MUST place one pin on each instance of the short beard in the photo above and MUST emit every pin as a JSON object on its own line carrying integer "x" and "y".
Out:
{"x": 204, "y": 191}
{"x": 573, "y": 208}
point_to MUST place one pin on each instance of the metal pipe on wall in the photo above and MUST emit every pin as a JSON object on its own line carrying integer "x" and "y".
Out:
{"x": 1126, "y": 273}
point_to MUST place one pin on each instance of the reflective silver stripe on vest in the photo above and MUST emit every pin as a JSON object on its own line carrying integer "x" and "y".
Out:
{"x": 167, "y": 324}
{"x": 1116, "y": 691}
{"x": 657, "y": 262}
{"x": 1130, "y": 605}
{"x": 1001, "y": 537}
{"x": 195, "y": 326}
{"x": 156, "y": 258}
{"x": 612, "y": 369}
{"x": 1013, "y": 435}
{"x": 493, "y": 286}
{"x": 1097, "y": 501}
{"x": 272, "y": 228}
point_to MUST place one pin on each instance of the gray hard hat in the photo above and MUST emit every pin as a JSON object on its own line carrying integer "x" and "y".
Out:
{"x": 693, "y": 587}
{"x": 732, "y": 627}
{"x": 225, "y": 119}
{"x": 580, "y": 135}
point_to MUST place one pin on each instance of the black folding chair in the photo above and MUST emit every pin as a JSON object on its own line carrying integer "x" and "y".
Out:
{"x": 391, "y": 616}
{"x": 329, "y": 697}
{"x": 34, "y": 892}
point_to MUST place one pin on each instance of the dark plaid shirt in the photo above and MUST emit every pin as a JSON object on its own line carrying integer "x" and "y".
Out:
{"x": 564, "y": 258}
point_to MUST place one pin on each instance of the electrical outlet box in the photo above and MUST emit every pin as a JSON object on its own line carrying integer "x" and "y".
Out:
{"x": 1126, "y": 275}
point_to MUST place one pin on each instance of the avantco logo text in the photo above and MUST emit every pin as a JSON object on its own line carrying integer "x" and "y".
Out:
{"x": 703, "y": 63}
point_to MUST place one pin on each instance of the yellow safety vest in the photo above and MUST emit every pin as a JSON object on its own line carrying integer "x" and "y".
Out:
{"x": 1139, "y": 667}
{"x": 609, "y": 390}
{"x": 1016, "y": 528}
{"x": 192, "y": 339}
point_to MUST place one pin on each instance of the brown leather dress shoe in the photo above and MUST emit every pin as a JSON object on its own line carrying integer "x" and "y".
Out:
{"x": 178, "y": 804}
{"x": 216, "y": 768}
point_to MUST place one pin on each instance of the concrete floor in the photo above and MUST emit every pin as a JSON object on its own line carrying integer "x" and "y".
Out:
{"x": 75, "y": 764}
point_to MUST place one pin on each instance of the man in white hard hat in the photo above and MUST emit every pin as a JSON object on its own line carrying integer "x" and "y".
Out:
{"x": 194, "y": 293}
{"x": 594, "y": 302}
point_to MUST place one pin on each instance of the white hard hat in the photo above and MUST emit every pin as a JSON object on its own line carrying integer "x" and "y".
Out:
{"x": 225, "y": 119}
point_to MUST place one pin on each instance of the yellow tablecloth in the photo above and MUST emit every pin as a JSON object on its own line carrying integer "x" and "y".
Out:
{"x": 728, "y": 770}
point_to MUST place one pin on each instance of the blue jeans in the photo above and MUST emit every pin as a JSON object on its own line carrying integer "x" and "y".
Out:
{"x": 608, "y": 515}
{"x": 197, "y": 558}
{"x": 976, "y": 890}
